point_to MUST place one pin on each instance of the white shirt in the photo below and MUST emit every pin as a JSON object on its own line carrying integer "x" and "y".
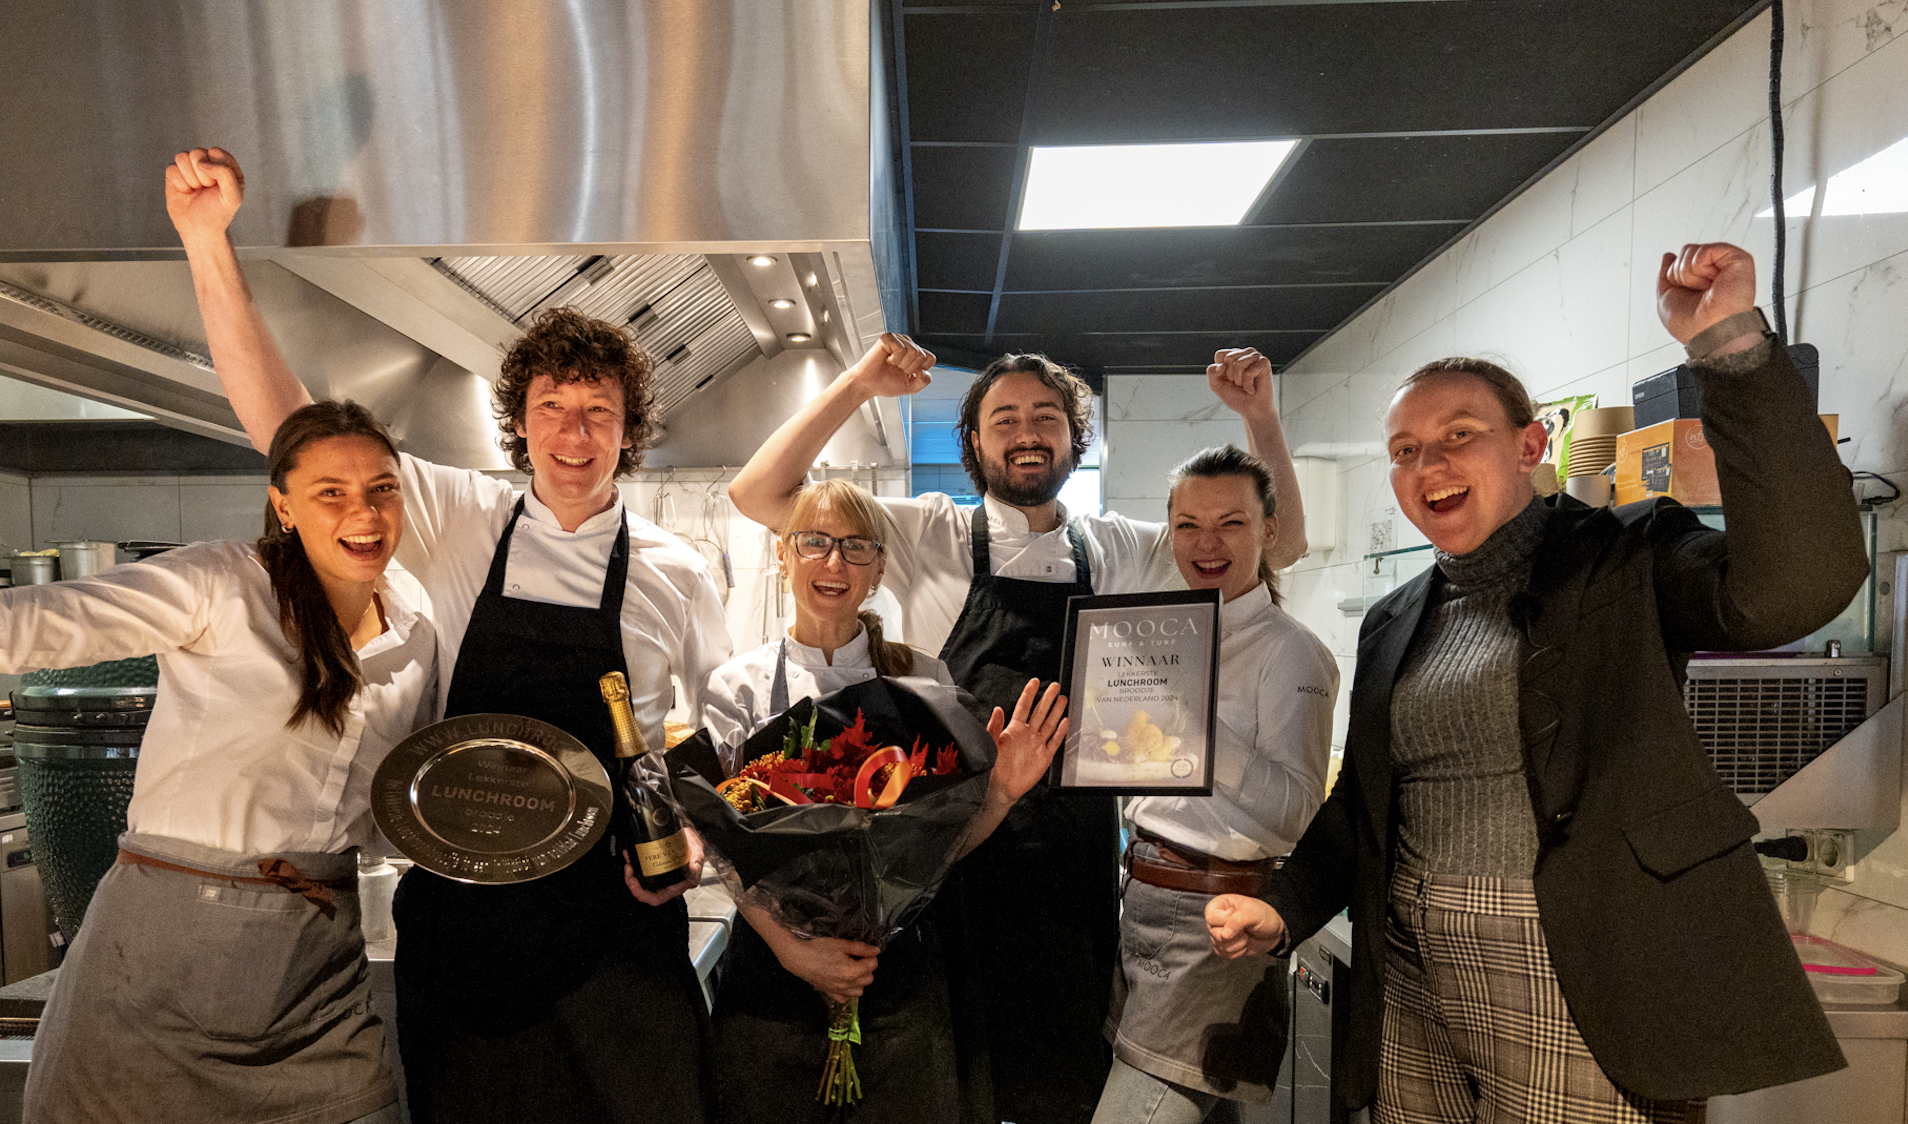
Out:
{"x": 218, "y": 766}
{"x": 1277, "y": 683}
{"x": 736, "y": 701}
{"x": 931, "y": 558}
{"x": 673, "y": 619}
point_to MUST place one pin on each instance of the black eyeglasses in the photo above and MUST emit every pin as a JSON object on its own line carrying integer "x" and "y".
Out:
{"x": 855, "y": 550}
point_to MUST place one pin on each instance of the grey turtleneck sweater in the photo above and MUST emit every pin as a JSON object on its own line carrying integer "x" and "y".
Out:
{"x": 1463, "y": 804}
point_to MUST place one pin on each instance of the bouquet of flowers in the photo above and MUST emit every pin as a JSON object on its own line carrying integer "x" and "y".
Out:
{"x": 845, "y": 819}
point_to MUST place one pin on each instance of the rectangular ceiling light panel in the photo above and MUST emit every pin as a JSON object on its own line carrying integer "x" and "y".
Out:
{"x": 1102, "y": 187}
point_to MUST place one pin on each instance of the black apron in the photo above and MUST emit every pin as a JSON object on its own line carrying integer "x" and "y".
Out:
{"x": 771, "y": 1026}
{"x": 563, "y": 998}
{"x": 1032, "y": 919}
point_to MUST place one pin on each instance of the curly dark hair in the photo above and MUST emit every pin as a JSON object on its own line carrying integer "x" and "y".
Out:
{"x": 1076, "y": 398}
{"x": 571, "y": 347}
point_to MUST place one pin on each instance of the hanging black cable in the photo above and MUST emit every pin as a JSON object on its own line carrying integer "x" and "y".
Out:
{"x": 1775, "y": 173}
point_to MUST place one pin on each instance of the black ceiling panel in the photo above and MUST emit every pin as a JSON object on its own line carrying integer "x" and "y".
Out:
{"x": 1181, "y": 310}
{"x": 955, "y": 312}
{"x": 1420, "y": 117}
{"x": 1388, "y": 179}
{"x": 1136, "y": 352}
{"x": 956, "y": 261}
{"x": 967, "y": 75}
{"x": 1119, "y": 75}
{"x": 964, "y": 188}
{"x": 1223, "y": 255}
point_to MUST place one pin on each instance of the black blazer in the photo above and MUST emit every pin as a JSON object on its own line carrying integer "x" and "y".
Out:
{"x": 1662, "y": 931}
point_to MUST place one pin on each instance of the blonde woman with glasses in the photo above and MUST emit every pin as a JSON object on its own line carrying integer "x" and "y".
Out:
{"x": 771, "y": 1009}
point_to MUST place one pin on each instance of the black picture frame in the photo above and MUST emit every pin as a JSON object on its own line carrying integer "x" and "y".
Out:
{"x": 1143, "y": 667}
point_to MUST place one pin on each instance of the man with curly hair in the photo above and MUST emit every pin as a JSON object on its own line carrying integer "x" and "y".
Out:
{"x": 571, "y": 997}
{"x": 1033, "y": 915}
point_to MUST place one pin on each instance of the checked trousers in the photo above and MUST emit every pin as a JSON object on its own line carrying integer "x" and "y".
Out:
{"x": 1476, "y": 1029}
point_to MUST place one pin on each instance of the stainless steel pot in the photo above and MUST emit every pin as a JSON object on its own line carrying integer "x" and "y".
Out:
{"x": 38, "y": 569}
{"x": 81, "y": 559}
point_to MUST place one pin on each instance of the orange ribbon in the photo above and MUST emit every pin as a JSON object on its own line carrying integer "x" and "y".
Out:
{"x": 897, "y": 780}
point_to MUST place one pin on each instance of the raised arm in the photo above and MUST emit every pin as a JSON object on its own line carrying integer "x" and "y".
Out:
{"x": 1242, "y": 378}
{"x": 1791, "y": 554}
{"x": 765, "y": 488}
{"x": 204, "y": 188}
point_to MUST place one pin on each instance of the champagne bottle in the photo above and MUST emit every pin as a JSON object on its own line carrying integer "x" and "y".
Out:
{"x": 657, "y": 845}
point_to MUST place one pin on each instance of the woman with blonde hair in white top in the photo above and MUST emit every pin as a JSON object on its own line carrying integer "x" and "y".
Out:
{"x": 770, "y": 1012}
{"x": 1194, "y": 1035}
{"x": 219, "y": 976}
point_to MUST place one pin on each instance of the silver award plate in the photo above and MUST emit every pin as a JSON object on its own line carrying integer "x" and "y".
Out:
{"x": 492, "y": 798}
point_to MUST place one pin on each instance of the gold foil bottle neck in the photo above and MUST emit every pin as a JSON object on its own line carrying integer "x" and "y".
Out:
{"x": 629, "y": 739}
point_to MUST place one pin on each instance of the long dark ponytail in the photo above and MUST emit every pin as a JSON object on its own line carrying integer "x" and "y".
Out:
{"x": 329, "y": 668}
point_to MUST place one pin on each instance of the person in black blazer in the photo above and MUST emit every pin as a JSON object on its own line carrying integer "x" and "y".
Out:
{"x": 1650, "y": 937}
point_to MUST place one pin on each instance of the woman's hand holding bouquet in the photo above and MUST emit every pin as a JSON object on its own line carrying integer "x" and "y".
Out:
{"x": 851, "y": 808}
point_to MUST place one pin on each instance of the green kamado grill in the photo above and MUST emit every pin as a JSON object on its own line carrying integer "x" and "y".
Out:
{"x": 76, "y": 735}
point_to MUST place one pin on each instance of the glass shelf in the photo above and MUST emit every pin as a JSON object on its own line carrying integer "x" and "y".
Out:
{"x": 1853, "y": 628}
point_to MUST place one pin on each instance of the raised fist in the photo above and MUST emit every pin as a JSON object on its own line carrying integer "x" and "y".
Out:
{"x": 204, "y": 188}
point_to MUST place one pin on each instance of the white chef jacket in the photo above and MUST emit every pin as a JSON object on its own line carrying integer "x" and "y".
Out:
{"x": 735, "y": 703}
{"x": 931, "y": 560}
{"x": 218, "y": 766}
{"x": 672, "y": 615}
{"x": 1277, "y": 683}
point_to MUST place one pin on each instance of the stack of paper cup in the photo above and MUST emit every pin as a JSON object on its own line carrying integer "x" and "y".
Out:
{"x": 1593, "y": 438}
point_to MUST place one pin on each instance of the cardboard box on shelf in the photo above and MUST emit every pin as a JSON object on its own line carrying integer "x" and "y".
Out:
{"x": 1672, "y": 459}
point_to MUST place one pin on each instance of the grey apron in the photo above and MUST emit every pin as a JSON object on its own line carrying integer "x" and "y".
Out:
{"x": 1184, "y": 1015}
{"x": 205, "y": 1001}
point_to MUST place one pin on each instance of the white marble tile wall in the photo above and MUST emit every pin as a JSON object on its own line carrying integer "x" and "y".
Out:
{"x": 1559, "y": 287}
{"x": 1152, "y": 423}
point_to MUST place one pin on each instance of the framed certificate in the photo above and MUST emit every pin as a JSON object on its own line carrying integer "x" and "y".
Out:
{"x": 1141, "y": 673}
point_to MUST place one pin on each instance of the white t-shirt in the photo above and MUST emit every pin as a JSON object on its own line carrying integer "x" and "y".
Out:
{"x": 931, "y": 559}
{"x": 1277, "y": 683}
{"x": 219, "y": 766}
{"x": 736, "y": 702}
{"x": 673, "y": 619}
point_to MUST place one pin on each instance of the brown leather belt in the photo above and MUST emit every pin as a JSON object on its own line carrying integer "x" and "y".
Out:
{"x": 1191, "y": 872}
{"x": 273, "y": 872}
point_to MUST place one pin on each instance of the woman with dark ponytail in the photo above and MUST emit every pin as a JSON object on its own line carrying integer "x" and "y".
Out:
{"x": 220, "y": 975}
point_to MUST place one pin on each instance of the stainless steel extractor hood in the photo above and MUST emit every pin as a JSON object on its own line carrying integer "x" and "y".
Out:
{"x": 423, "y": 178}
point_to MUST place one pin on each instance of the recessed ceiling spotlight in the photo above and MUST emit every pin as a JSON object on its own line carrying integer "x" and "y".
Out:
{"x": 762, "y": 260}
{"x": 824, "y": 316}
{"x": 811, "y": 281}
{"x": 1100, "y": 187}
{"x": 781, "y": 302}
{"x": 797, "y": 337}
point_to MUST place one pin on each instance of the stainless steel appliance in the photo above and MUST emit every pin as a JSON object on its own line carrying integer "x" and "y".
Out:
{"x": 83, "y": 559}
{"x": 1320, "y": 969}
{"x": 719, "y": 175}
{"x": 24, "y": 921}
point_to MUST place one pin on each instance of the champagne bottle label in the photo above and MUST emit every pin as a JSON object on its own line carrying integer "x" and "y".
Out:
{"x": 664, "y": 855}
